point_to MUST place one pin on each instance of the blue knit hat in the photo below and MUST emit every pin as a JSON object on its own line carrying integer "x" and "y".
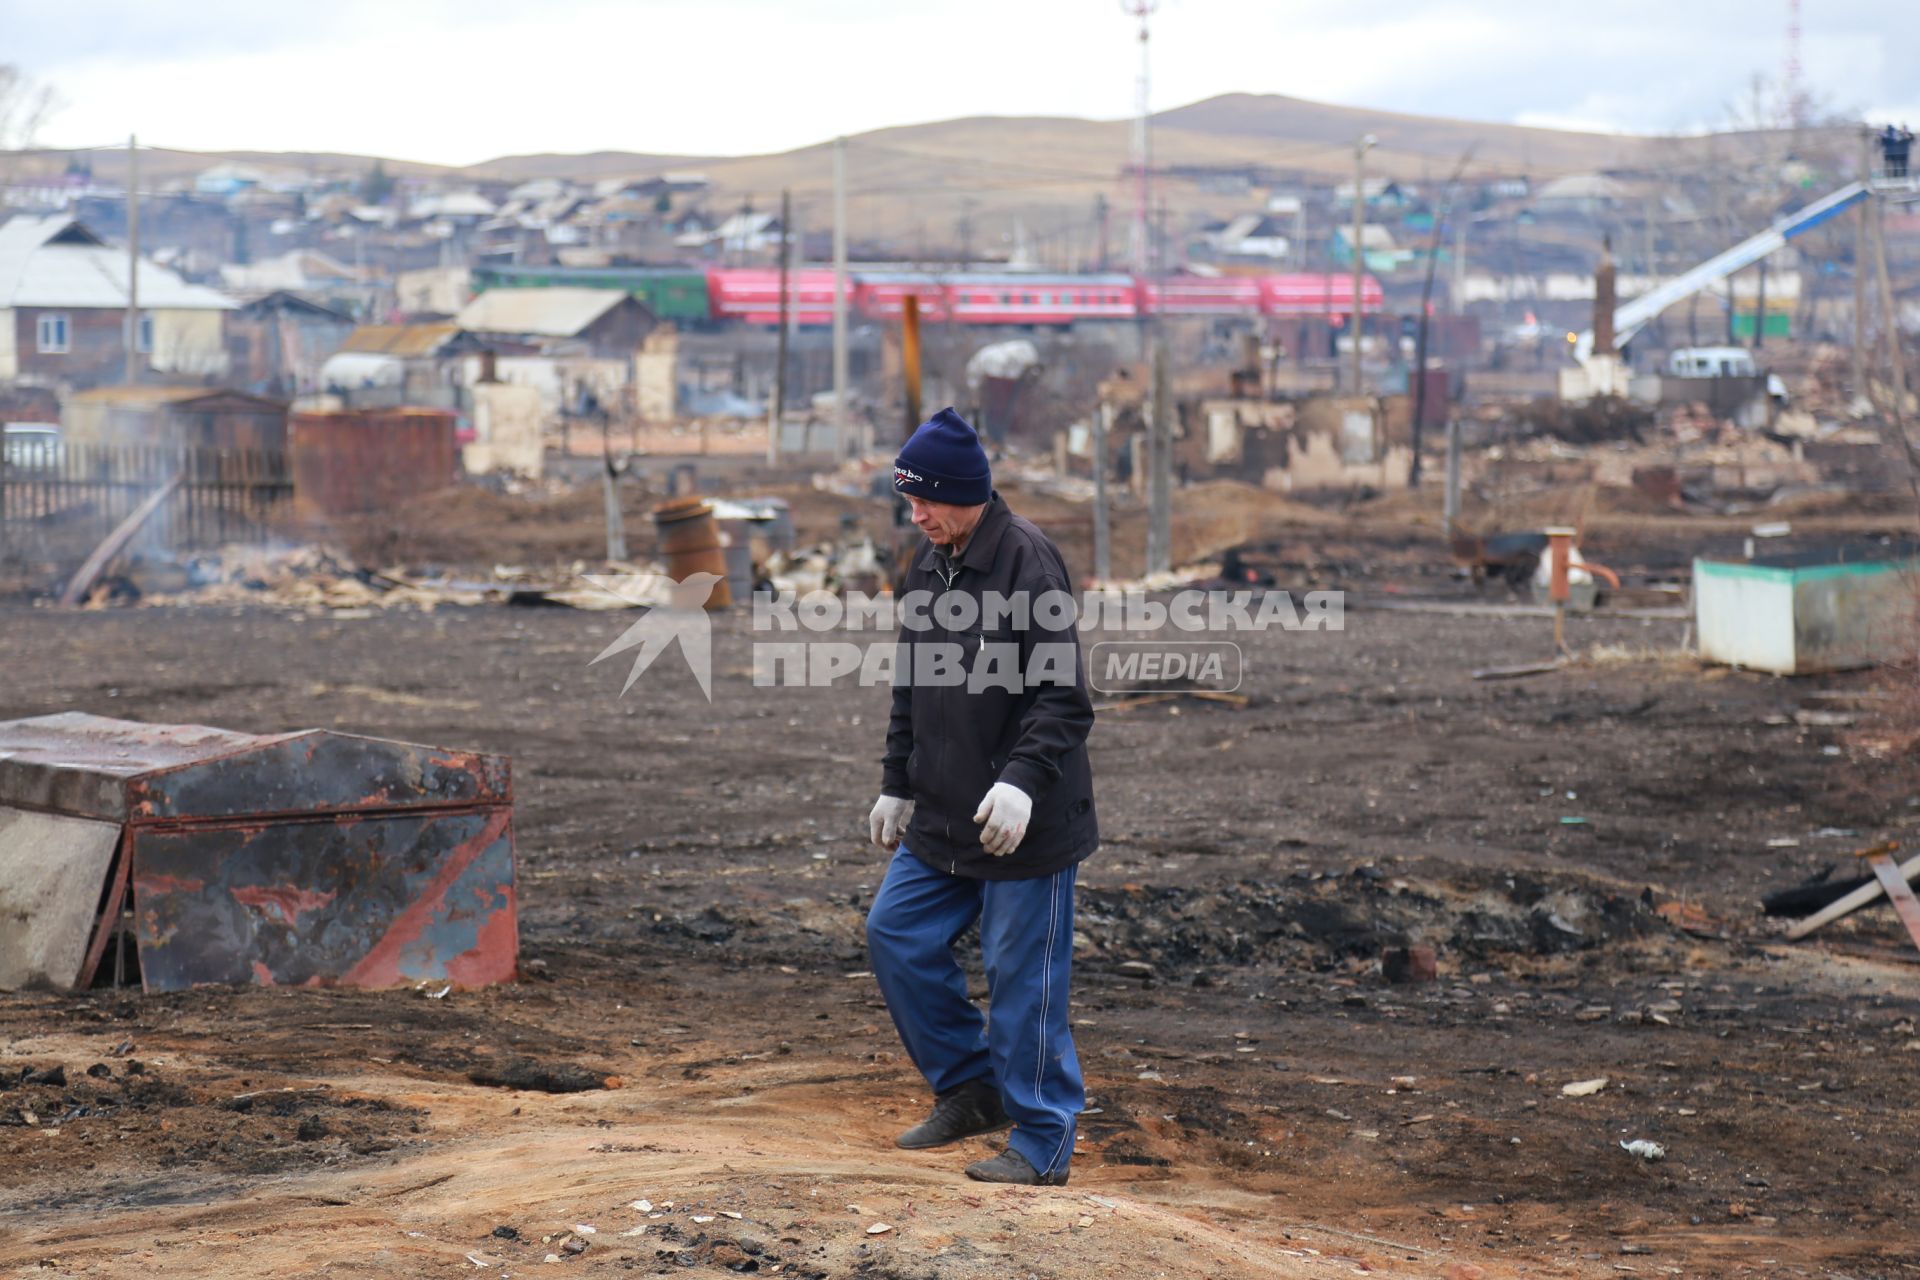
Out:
{"x": 943, "y": 462}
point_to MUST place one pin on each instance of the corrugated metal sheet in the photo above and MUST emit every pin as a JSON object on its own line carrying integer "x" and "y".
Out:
{"x": 547, "y": 313}
{"x": 57, "y": 262}
{"x": 142, "y": 396}
{"x": 370, "y": 460}
{"x": 79, "y": 764}
{"x": 403, "y": 340}
{"x": 370, "y": 902}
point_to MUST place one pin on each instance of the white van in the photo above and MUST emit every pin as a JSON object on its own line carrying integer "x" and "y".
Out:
{"x": 1711, "y": 362}
{"x": 31, "y": 446}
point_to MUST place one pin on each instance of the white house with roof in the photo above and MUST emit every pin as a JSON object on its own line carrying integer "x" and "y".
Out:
{"x": 63, "y": 305}
{"x": 1253, "y": 235}
{"x": 743, "y": 232}
{"x": 572, "y": 321}
{"x": 469, "y": 206}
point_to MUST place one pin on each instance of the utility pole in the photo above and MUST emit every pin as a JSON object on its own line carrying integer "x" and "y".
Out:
{"x": 610, "y": 473}
{"x": 1360, "y": 149}
{"x": 1160, "y": 236}
{"x": 1790, "y": 82}
{"x": 133, "y": 259}
{"x": 1450, "y": 503}
{"x": 1102, "y": 532}
{"x": 1889, "y": 323}
{"x": 1894, "y": 421}
{"x": 1160, "y": 465}
{"x": 780, "y": 359}
{"x": 1862, "y": 231}
{"x": 1456, "y": 295}
{"x": 1426, "y": 311}
{"x": 843, "y": 420}
{"x": 966, "y": 230}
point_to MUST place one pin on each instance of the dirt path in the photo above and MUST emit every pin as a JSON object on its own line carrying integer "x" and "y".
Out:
{"x": 1264, "y": 1103}
{"x": 761, "y": 1170}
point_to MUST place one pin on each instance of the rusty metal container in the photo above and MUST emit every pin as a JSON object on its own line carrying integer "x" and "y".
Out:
{"x": 189, "y": 417}
{"x": 370, "y": 459}
{"x": 182, "y": 855}
{"x": 690, "y": 541}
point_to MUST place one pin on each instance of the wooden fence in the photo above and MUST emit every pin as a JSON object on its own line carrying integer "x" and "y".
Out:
{"x": 58, "y": 501}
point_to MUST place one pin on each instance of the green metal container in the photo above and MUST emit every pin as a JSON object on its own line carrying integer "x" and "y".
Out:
{"x": 1799, "y": 614}
{"x": 678, "y": 294}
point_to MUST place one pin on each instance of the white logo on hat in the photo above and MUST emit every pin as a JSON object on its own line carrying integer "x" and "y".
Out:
{"x": 901, "y": 475}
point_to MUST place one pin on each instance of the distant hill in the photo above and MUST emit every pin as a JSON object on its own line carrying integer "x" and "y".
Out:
{"x": 586, "y": 167}
{"x": 988, "y": 181}
{"x": 916, "y": 184}
{"x": 162, "y": 165}
{"x": 1321, "y": 136}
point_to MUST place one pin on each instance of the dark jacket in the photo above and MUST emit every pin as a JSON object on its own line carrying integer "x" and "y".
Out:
{"x": 948, "y": 744}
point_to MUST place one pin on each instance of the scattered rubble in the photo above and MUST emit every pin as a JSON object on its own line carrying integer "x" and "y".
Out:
{"x": 560, "y": 1077}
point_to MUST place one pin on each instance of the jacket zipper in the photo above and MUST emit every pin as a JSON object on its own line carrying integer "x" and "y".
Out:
{"x": 949, "y": 571}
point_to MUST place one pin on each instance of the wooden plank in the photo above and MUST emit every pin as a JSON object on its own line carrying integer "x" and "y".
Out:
{"x": 115, "y": 543}
{"x": 110, "y": 916}
{"x": 1515, "y": 672}
{"x": 1858, "y": 898}
{"x": 1128, "y": 704}
{"x": 1897, "y": 891}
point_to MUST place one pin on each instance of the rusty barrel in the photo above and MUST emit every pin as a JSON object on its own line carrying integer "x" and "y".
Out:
{"x": 690, "y": 540}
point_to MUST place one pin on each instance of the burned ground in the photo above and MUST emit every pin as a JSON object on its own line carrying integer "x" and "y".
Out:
{"x": 1585, "y": 850}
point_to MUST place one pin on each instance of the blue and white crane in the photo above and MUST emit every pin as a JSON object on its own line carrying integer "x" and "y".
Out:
{"x": 1633, "y": 315}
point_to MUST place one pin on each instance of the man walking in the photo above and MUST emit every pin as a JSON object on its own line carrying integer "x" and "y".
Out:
{"x": 987, "y": 802}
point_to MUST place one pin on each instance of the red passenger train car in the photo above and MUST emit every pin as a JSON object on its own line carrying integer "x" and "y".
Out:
{"x": 1315, "y": 294}
{"x": 751, "y": 295}
{"x": 1202, "y": 296}
{"x": 998, "y": 299}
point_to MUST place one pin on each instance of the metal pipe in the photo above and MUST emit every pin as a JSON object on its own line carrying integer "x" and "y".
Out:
{"x": 910, "y": 356}
{"x": 1559, "y": 582}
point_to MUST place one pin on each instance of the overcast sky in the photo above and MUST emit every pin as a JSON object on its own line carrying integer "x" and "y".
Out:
{"x": 458, "y": 81}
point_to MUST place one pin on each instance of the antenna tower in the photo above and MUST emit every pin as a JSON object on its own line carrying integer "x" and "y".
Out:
{"x": 1141, "y": 245}
{"x": 1796, "y": 96}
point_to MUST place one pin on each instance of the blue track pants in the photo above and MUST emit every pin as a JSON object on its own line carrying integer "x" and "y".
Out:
{"x": 1026, "y": 1048}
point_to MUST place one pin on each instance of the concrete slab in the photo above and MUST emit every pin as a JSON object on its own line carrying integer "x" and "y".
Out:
{"x": 53, "y": 870}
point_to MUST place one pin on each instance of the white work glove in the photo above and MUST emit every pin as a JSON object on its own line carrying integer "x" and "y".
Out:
{"x": 888, "y": 821}
{"x": 1005, "y": 809}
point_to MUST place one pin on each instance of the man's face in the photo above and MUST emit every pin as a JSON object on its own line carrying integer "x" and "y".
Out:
{"x": 944, "y": 523}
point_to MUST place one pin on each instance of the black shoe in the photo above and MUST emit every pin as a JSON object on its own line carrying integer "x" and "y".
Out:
{"x": 1011, "y": 1166}
{"x": 972, "y": 1109}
